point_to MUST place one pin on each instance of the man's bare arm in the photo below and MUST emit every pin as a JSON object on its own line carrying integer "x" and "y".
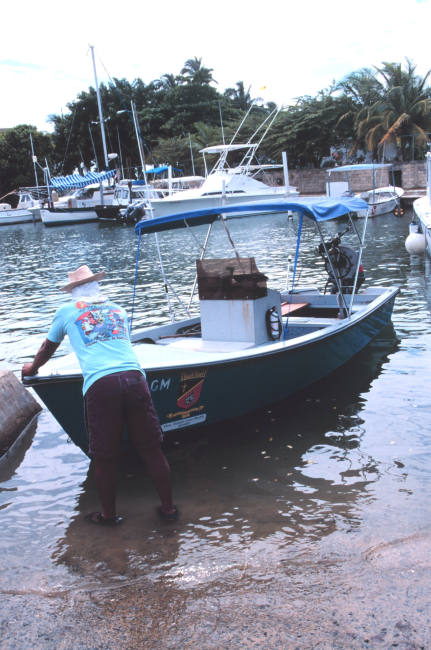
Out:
{"x": 44, "y": 354}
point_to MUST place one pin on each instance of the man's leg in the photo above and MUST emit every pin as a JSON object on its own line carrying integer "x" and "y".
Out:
{"x": 161, "y": 476}
{"x": 104, "y": 423}
{"x": 106, "y": 483}
{"x": 145, "y": 434}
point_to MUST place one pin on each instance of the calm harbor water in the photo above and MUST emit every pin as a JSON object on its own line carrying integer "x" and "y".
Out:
{"x": 334, "y": 479}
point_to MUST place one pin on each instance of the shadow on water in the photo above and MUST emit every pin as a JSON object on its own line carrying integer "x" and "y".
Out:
{"x": 268, "y": 486}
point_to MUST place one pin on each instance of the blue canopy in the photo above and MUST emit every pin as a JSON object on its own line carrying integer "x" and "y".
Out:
{"x": 318, "y": 209}
{"x": 75, "y": 180}
{"x": 160, "y": 170}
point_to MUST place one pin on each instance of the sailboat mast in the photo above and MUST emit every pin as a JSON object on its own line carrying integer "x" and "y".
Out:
{"x": 99, "y": 102}
{"x": 34, "y": 164}
{"x": 102, "y": 124}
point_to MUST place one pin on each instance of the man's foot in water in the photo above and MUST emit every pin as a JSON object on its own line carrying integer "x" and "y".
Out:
{"x": 98, "y": 518}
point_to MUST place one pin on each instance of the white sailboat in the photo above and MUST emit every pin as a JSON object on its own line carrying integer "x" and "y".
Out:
{"x": 80, "y": 209}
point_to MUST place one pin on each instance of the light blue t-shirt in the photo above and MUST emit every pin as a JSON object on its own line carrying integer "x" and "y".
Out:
{"x": 99, "y": 335}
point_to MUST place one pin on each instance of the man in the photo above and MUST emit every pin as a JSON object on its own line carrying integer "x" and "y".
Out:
{"x": 115, "y": 390}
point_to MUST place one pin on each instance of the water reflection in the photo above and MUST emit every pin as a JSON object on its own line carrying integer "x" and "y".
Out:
{"x": 274, "y": 483}
{"x": 348, "y": 455}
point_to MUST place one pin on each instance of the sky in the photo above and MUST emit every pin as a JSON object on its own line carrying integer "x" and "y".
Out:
{"x": 291, "y": 48}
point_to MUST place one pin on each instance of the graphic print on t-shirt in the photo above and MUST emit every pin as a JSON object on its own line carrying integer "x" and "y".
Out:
{"x": 100, "y": 323}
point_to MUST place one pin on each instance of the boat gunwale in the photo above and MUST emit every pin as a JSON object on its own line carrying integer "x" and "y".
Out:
{"x": 250, "y": 355}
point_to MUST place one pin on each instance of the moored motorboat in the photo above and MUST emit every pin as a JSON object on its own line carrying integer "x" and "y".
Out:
{"x": 380, "y": 200}
{"x": 422, "y": 208}
{"x": 250, "y": 345}
{"x": 127, "y": 193}
{"x": 21, "y": 213}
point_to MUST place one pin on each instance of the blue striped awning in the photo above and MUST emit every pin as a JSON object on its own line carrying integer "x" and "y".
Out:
{"x": 75, "y": 180}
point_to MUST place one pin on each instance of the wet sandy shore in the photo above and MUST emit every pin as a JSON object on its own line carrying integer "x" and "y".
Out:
{"x": 379, "y": 601}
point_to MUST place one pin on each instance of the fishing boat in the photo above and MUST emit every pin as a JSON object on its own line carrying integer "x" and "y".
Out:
{"x": 380, "y": 200}
{"x": 223, "y": 186}
{"x": 250, "y": 345}
{"x": 422, "y": 208}
{"x": 21, "y": 212}
{"x": 226, "y": 184}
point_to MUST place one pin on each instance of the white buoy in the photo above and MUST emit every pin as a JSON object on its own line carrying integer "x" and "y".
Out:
{"x": 415, "y": 242}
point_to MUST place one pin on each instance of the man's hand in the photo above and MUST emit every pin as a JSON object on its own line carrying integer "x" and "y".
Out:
{"x": 45, "y": 352}
{"x": 27, "y": 370}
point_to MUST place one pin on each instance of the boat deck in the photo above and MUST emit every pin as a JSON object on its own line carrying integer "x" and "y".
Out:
{"x": 176, "y": 345}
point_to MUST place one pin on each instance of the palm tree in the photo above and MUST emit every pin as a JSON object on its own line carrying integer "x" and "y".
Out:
{"x": 403, "y": 107}
{"x": 168, "y": 81}
{"x": 363, "y": 89}
{"x": 196, "y": 72}
{"x": 240, "y": 97}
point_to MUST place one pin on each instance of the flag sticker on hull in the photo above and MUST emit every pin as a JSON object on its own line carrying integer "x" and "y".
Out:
{"x": 190, "y": 388}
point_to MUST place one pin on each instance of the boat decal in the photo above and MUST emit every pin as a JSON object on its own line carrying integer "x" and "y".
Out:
{"x": 100, "y": 323}
{"x": 197, "y": 419}
{"x": 190, "y": 388}
{"x": 185, "y": 414}
{"x": 164, "y": 383}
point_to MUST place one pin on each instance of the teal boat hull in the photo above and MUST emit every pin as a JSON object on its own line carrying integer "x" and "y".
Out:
{"x": 226, "y": 389}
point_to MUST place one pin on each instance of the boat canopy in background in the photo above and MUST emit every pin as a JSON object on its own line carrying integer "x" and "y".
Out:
{"x": 76, "y": 181}
{"x": 317, "y": 209}
{"x": 359, "y": 168}
{"x": 160, "y": 170}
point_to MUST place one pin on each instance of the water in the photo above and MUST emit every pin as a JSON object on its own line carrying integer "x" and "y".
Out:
{"x": 334, "y": 479}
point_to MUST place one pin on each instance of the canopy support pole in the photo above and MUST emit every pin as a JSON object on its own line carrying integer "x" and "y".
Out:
{"x": 358, "y": 265}
{"x": 191, "y": 153}
{"x": 336, "y": 278}
{"x": 134, "y": 286}
{"x": 286, "y": 327}
{"x": 286, "y": 174}
{"x": 204, "y": 247}
{"x": 167, "y": 284}
{"x": 354, "y": 228}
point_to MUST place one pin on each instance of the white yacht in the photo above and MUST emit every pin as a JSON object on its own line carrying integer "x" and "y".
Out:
{"x": 223, "y": 186}
{"x": 21, "y": 213}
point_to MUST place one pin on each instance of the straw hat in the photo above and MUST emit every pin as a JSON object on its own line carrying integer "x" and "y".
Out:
{"x": 82, "y": 276}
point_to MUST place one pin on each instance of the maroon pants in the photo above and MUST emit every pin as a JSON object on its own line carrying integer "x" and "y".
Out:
{"x": 118, "y": 400}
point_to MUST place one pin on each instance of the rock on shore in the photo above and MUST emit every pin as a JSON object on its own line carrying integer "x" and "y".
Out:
{"x": 17, "y": 408}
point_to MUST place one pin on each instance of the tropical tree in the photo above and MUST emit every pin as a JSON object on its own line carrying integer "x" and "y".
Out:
{"x": 363, "y": 89}
{"x": 16, "y": 164}
{"x": 168, "y": 81}
{"x": 240, "y": 97}
{"x": 386, "y": 109}
{"x": 405, "y": 108}
{"x": 196, "y": 73}
{"x": 306, "y": 130}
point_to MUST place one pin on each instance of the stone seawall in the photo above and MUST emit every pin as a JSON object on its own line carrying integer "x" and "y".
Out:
{"x": 313, "y": 181}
